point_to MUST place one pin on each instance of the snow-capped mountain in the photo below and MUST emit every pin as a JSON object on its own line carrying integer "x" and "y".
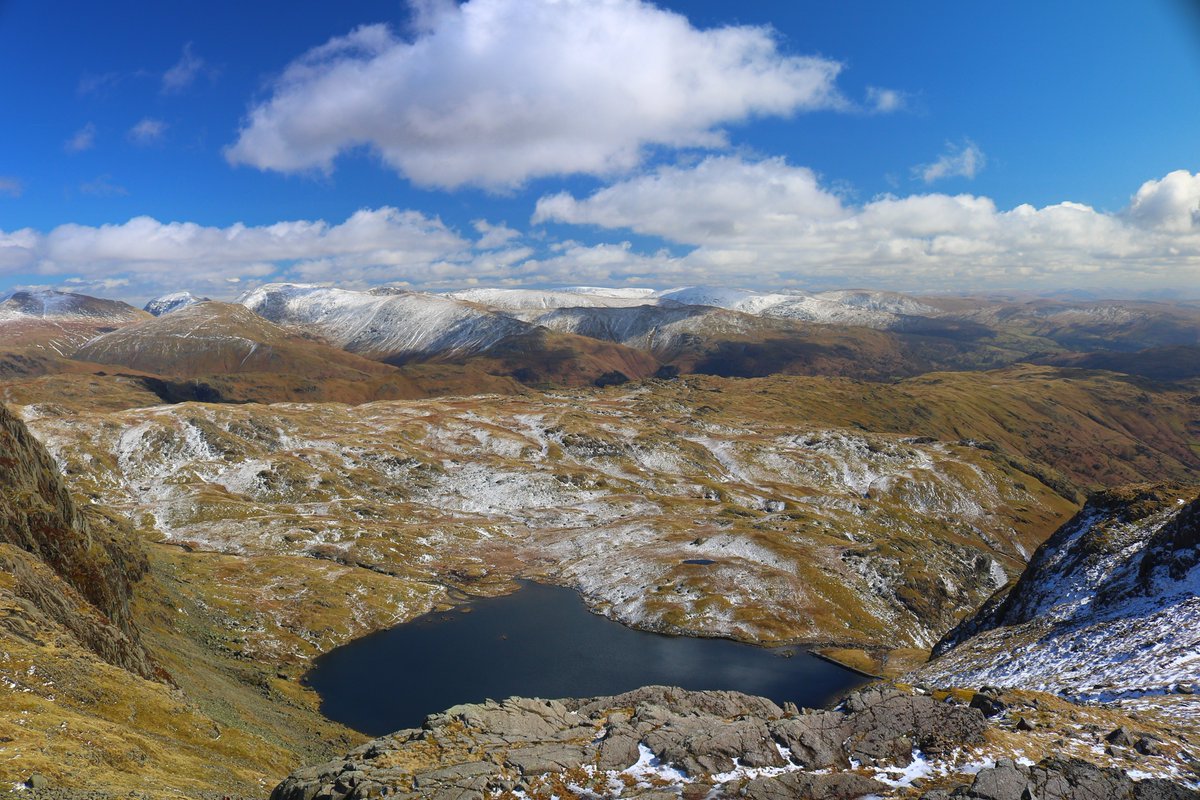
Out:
{"x": 384, "y": 326}
{"x": 172, "y": 302}
{"x": 1107, "y": 610}
{"x": 653, "y": 328}
{"x": 542, "y": 299}
{"x": 869, "y": 309}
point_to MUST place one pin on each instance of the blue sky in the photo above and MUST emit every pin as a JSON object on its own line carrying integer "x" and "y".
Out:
{"x": 932, "y": 146}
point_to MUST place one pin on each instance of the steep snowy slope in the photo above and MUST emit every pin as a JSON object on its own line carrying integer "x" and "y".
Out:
{"x": 401, "y": 327}
{"x": 384, "y": 326}
{"x": 172, "y": 302}
{"x": 1107, "y": 610}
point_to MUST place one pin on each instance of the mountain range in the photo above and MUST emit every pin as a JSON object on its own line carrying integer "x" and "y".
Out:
{"x": 502, "y": 340}
{"x": 946, "y": 493}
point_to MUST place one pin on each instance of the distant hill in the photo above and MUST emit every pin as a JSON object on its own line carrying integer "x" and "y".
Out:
{"x": 53, "y": 323}
{"x": 211, "y": 338}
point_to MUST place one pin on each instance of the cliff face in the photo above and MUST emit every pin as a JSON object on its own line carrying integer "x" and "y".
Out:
{"x": 74, "y": 568}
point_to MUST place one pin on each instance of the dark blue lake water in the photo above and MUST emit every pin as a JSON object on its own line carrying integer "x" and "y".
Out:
{"x": 541, "y": 641}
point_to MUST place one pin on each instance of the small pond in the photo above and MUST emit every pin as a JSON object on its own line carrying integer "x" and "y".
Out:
{"x": 542, "y": 641}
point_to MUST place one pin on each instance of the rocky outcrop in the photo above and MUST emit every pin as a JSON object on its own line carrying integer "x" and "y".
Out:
{"x": 74, "y": 568}
{"x": 646, "y": 742}
{"x": 1063, "y": 779}
{"x": 1114, "y": 547}
{"x": 1124, "y": 573}
{"x": 883, "y": 741}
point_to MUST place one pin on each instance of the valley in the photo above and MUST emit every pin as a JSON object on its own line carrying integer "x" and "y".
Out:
{"x": 304, "y": 467}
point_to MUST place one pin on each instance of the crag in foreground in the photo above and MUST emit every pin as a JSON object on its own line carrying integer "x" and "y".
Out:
{"x": 172, "y": 569}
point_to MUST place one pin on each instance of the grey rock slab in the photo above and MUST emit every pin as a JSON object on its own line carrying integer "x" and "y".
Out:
{"x": 543, "y": 758}
{"x": 723, "y": 704}
{"x": 707, "y": 745}
{"x": 1001, "y": 782}
{"x": 793, "y": 785}
{"x": 814, "y": 739}
{"x": 618, "y": 750}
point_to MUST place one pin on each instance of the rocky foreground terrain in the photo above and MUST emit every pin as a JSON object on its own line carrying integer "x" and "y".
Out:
{"x": 660, "y": 742}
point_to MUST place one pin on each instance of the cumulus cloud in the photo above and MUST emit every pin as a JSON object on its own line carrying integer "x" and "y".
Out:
{"x": 184, "y": 72}
{"x": 724, "y": 220}
{"x": 495, "y": 92}
{"x": 1170, "y": 204}
{"x": 721, "y": 198}
{"x": 82, "y": 139}
{"x": 768, "y": 222}
{"x": 18, "y": 249}
{"x": 13, "y": 187}
{"x": 372, "y": 246}
{"x": 492, "y": 236}
{"x": 963, "y": 160}
{"x": 147, "y": 131}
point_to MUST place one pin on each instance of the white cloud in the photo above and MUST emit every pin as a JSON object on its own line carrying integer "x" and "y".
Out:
{"x": 495, "y": 92}
{"x": 731, "y": 222}
{"x": 885, "y": 101}
{"x": 372, "y": 246}
{"x": 13, "y": 187}
{"x": 768, "y": 223}
{"x": 492, "y": 236}
{"x": 185, "y": 70}
{"x": 1170, "y": 204}
{"x": 18, "y": 249}
{"x": 964, "y": 160}
{"x": 722, "y": 198}
{"x": 147, "y": 131}
{"x": 82, "y": 139}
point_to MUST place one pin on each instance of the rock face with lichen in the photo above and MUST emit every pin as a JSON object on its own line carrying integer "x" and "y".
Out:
{"x": 74, "y": 568}
{"x": 645, "y": 742}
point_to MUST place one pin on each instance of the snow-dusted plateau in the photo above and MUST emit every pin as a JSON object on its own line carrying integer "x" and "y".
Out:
{"x": 988, "y": 503}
